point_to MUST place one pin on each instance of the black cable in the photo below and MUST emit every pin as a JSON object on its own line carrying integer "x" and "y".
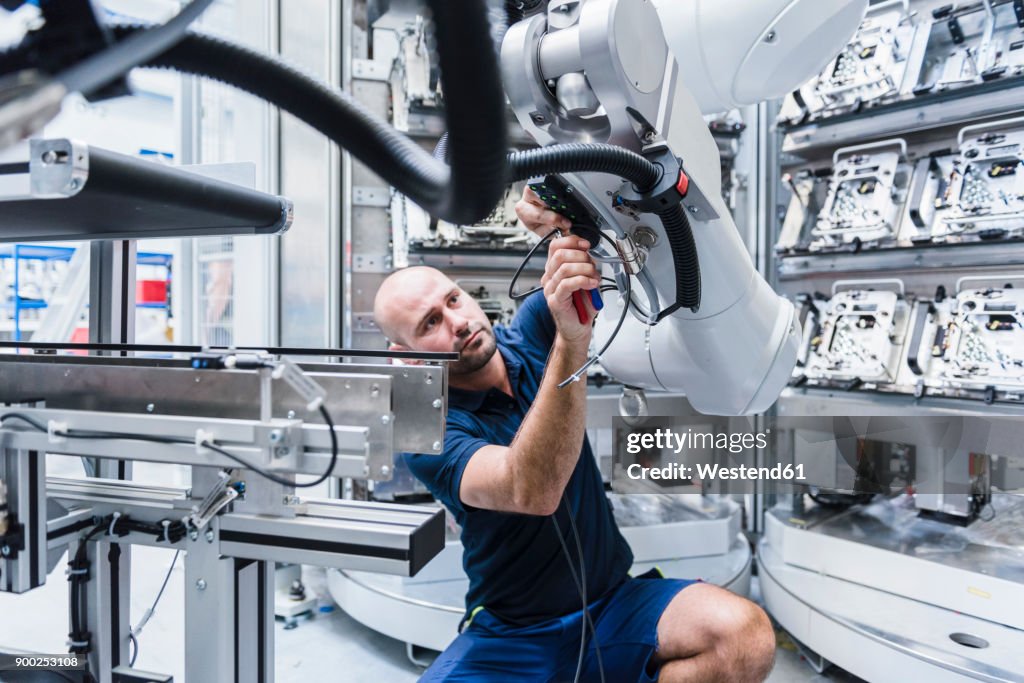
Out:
{"x": 166, "y": 579}
{"x": 618, "y": 325}
{"x": 583, "y": 579}
{"x": 578, "y": 157}
{"x": 464, "y": 192}
{"x": 135, "y": 650}
{"x": 526, "y": 259}
{"x": 280, "y": 480}
{"x": 152, "y": 610}
{"x": 684, "y": 257}
{"x": 581, "y": 589}
{"x": 76, "y": 595}
{"x": 515, "y": 296}
{"x": 24, "y": 418}
{"x": 94, "y": 434}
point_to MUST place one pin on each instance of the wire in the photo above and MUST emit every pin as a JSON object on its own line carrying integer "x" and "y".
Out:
{"x": 515, "y": 296}
{"x": 103, "y": 67}
{"x": 76, "y": 594}
{"x": 94, "y": 434}
{"x": 134, "y": 632}
{"x": 581, "y": 588}
{"x": 24, "y": 418}
{"x": 583, "y": 579}
{"x": 574, "y": 377}
{"x": 135, "y": 650}
{"x": 280, "y": 480}
{"x": 526, "y": 259}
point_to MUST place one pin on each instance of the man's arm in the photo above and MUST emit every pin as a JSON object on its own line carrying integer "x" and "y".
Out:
{"x": 529, "y": 476}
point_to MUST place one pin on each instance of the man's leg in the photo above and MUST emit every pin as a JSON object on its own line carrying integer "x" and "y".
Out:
{"x": 709, "y": 635}
{"x": 489, "y": 651}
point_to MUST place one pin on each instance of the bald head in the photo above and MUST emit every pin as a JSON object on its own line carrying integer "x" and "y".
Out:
{"x": 401, "y": 292}
{"x": 421, "y": 309}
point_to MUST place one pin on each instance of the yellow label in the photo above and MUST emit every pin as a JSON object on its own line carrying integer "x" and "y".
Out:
{"x": 978, "y": 592}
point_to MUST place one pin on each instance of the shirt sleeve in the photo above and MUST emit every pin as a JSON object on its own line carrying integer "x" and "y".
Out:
{"x": 533, "y": 321}
{"x": 442, "y": 474}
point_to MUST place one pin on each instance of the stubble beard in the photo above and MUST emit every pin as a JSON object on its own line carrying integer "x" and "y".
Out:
{"x": 481, "y": 351}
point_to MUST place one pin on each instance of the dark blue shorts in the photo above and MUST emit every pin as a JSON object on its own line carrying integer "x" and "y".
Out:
{"x": 626, "y": 621}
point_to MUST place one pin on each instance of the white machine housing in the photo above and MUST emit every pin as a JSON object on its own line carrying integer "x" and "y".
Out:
{"x": 737, "y": 52}
{"x": 573, "y": 75}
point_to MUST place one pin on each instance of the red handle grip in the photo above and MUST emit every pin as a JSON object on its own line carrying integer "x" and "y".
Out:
{"x": 581, "y": 308}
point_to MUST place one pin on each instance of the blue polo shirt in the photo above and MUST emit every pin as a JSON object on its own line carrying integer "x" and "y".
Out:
{"x": 516, "y": 566}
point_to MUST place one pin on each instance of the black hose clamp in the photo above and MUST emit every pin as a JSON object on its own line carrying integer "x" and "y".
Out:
{"x": 670, "y": 188}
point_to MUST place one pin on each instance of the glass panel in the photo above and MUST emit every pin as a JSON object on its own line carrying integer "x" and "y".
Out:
{"x": 306, "y": 161}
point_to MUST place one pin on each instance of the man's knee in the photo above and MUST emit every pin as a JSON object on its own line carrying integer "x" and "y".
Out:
{"x": 745, "y": 640}
{"x": 733, "y": 633}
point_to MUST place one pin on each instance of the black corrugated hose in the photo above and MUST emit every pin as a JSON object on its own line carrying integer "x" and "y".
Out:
{"x": 684, "y": 256}
{"x": 644, "y": 174}
{"x": 583, "y": 158}
{"x": 466, "y": 191}
{"x": 462, "y": 193}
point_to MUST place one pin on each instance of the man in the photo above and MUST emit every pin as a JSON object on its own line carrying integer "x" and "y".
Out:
{"x": 518, "y": 473}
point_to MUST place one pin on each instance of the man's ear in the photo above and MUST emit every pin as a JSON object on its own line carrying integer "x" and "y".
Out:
{"x": 402, "y": 361}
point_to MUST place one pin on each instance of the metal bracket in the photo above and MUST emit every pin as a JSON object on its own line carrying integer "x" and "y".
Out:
{"x": 379, "y": 197}
{"x": 371, "y": 70}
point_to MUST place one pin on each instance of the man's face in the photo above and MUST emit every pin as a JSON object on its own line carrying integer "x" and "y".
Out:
{"x": 429, "y": 312}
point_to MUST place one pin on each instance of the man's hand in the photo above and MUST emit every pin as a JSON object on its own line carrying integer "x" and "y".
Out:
{"x": 570, "y": 268}
{"x": 537, "y": 217}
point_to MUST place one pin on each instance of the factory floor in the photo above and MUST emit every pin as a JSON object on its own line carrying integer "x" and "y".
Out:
{"x": 328, "y": 646}
{"x": 371, "y": 656}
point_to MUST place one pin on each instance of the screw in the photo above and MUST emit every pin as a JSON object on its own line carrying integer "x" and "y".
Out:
{"x": 437, "y": 445}
{"x": 150, "y": 407}
{"x": 194, "y": 534}
{"x": 276, "y": 435}
{"x": 209, "y": 535}
{"x": 437, "y": 403}
{"x": 693, "y": 208}
{"x": 291, "y": 414}
{"x": 385, "y": 419}
{"x": 385, "y": 470}
{"x": 201, "y": 584}
{"x": 281, "y": 451}
{"x": 375, "y": 391}
{"x": 770, "y": 37}
{"x": 430, "y": 379}
{"x": 5, "y": 550}
{"x": 75, "y": 183}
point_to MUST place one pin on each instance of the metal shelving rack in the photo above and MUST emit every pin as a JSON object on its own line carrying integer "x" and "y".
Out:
{"x": 879, "y": 244}
{"x": 27, "y": 252}
{"x": 18, "y": 253}
{"x": 919, "y": 112}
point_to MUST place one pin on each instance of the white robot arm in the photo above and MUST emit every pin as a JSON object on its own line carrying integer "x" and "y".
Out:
{"x": 603, "y": 71}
